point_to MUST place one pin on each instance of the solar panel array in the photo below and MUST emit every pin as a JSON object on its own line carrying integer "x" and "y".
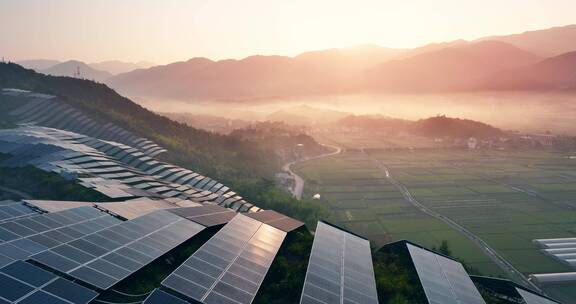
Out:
{"x": 49, "y": 111}
{"x": 340, "y": 269}
{"x": 21, "y": 238}
{"x": 444, "y": 280}
{"x": 10, "y": 210}
{"x": 24, "y": 283}
{"x": 532, "y": 298}
{"x": 231, "y": 266}
{"x": 113, "y": 169}
{"x": 104, "y": 258}
{"x": 562, "y": 249}
{"x": 161, "y": 297}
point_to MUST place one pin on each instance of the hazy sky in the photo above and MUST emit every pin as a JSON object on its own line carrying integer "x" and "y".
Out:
{"x": 164, "y": 31}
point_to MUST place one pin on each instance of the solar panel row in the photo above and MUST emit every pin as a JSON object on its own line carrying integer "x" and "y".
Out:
{"x": 24, "y": 283}
{"x": 208, "y": 215}
{"x": 531, "y": 298}
{"x": 25, "y": 237}
{"x": 340, "y": 269}
{"x": 231, "y": 266}
{"x": 277, "y": 220}
{"x": 161, "y": 297}
{"x": 51, "y": 112}
{"x": 10, "y": 210}
{"x": 104, "y": 258}
{"x": 119, "y": 171}
{"x": 444, "y": 280}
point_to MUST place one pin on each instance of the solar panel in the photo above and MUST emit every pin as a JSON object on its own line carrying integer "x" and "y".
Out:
{"x": 106, "y": 257}
{"x": 277, "y": 220}
{"x": 49, "y": 230}
{"x": 161, "y": 297}
{"x": 207, "y": 215}
{"x": 23, "y": 282}
{"x": 135, "y": 208}
{"x": 10, "y": 210}
{"x": 444, "y": 280}
{"x": 231, "y": 266}
{"x": 531, "y": 298}
{"x": 340, "y": 269}
{"x": 55, "y": 206}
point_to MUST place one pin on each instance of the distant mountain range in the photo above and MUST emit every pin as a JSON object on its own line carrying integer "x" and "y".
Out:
{"x": 70, "y": 68}
{"x": 118, "y": 67}
{"x": 547, "y": 43}
{"x": 335, "y": 70}
{"x": 454, "y": 68}
{"x": 534, "y": 60}
{"x": 96, "y": 71}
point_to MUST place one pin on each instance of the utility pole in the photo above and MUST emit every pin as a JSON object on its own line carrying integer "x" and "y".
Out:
{"x": 77, "y": 72}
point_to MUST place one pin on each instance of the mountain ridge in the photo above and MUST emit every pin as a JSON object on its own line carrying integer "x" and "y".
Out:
{"x": 71, "y": 67}
{"x": 438, "y": 67}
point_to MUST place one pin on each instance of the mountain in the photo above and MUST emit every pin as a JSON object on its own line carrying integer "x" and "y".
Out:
{"x": 334, "y": 70}
{"x": 38, "y": 64}
{"x": 442, "y": 126}
{"x": 69, "y": 68}
{"x": 558, "y": 72}
{"x": 452, "y": 68}
{"x": 117, "y": 67}
{"x": 548, "y": 42}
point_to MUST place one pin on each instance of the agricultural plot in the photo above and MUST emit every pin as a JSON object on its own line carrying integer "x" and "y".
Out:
{"x": 360, "y": 198}
{"x": 505, "y": 198}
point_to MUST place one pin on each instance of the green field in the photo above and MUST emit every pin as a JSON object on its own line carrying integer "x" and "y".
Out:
{"x": 506, "y": 198}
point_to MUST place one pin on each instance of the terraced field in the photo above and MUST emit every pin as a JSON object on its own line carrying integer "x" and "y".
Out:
{"x": 505, "y": 198}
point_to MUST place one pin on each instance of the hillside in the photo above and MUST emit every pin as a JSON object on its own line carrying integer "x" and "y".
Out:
{"x": 442, "y": 126}
{"x": 453, "y": 68}
{"x": 433, "y": 127}
{"x": 239, "y": 164}
{"x": 550, "y": 74}
{"x": 69, "y": 68}
{"x": 287, "y": 142}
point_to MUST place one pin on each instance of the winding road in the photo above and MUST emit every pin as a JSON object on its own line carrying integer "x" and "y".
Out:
{"x": 298, "y": 187}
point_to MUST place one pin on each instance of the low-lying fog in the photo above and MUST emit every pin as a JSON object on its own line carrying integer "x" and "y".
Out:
{"x": 528, "y": 112}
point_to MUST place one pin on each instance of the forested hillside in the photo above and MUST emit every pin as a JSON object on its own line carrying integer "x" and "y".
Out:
{"x": 243, "y": 166}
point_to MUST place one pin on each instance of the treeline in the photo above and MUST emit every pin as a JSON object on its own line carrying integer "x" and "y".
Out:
{"x": 433, "y": 127}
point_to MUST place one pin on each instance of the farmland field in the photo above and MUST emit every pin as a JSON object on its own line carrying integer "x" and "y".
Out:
{"x": 505, "y": 198}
